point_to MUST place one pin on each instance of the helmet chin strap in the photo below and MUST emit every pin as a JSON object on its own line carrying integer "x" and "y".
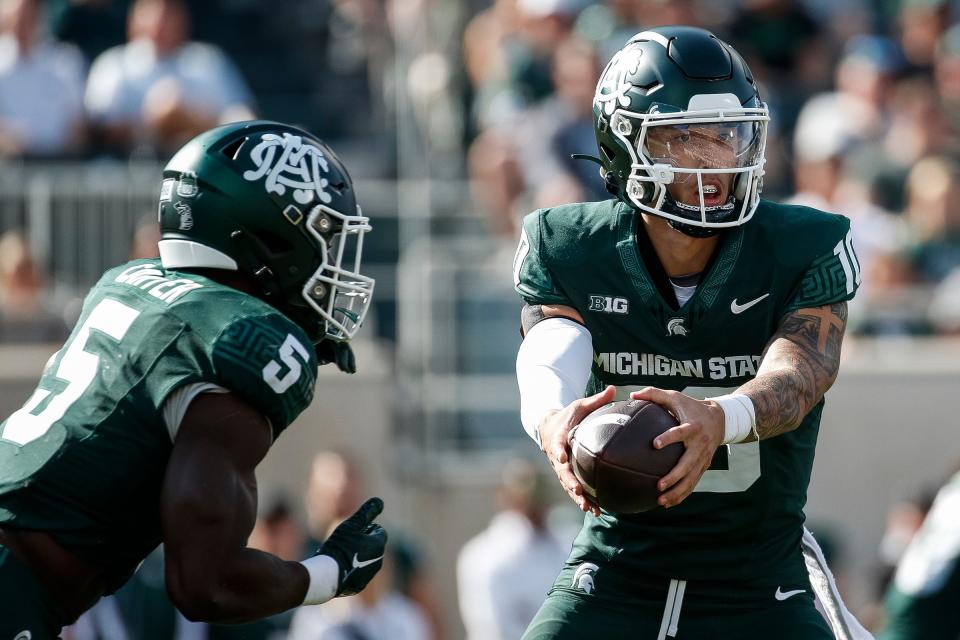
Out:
{"x": 692, "y": 230}
{"x": 721, "y": 213}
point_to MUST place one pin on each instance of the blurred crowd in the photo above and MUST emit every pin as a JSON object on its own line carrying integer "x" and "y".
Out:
{"x": 109, "y": 89}
{"x": 136, "y": 78}
{"x": 864, "y": 98}
{"x": 88, "y": 84}
{"x": 865, "y": 109}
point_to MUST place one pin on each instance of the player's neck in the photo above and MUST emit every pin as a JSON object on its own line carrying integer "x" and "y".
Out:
{"x": 233, "y": 279}
{"x": 679, "y": 253}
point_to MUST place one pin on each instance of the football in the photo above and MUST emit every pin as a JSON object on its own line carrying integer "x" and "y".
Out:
{"x": 614, "y": 457}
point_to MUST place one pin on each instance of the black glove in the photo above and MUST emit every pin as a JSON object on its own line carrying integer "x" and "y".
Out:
{"x": 357, "y": 546}
{"x": 338, "y": 352}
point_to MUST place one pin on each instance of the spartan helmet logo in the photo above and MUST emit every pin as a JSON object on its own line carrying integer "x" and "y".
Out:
{"x": 583, "y": 577}
{"x": 675, "y": 327}
{"x": 613, "y": 90}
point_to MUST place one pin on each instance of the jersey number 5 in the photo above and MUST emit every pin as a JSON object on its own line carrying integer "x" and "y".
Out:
{"x": 743, "y": 459}
{"x": 77, "y": 366}
{"x": 743, "y": 469}
{"x": 294, "y": 368}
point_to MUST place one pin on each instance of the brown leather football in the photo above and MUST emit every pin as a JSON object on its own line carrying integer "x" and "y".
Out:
{"x": 614, "y": 457}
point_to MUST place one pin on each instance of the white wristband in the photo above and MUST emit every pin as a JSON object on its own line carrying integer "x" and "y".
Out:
{"x": 740, "y": 418}
{"x": 324, "y": 579}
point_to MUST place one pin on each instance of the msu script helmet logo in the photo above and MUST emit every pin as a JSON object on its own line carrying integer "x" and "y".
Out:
{"x": 288, "y": 161}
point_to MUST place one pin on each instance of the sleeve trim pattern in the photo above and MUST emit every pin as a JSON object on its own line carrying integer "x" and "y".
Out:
{"x": 830, "y": 279}
{"x": 526, "y": 248}
{"x": 252, "y": 357}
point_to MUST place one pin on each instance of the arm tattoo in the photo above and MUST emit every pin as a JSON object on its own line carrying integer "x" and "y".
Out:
{"x": 799, "y": 365}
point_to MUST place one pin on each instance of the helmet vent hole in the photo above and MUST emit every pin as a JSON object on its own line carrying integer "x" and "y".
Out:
{"x": 652, "y": 87}
{"x": 607, "y": 152}
{"x": 232, "y": 150}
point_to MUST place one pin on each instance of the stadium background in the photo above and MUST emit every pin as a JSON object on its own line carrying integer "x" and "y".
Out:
{"x": 455, "y": 118}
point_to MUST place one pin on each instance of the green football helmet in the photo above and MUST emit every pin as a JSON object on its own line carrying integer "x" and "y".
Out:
{"x": 275, "y": 203}
{"x": 681, "y": 129}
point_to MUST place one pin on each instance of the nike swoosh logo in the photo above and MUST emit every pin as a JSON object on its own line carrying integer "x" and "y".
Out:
{"x": 783, "y": 595}
{"x": 740, "y": 308}
{"x": 358, "y": 564}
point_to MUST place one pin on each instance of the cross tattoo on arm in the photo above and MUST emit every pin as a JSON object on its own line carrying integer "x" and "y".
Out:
{"x": 801, "y": 362}
{"x": 827, "y": 320}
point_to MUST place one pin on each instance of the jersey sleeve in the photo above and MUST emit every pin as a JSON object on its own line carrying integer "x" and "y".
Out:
{"x": 833, "y": 275}
{"x": 269, "y": 362}
{"x": 532, "y": 277}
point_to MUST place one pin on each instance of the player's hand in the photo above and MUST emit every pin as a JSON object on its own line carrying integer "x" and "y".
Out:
{"x": 555, "y": 437}
{"x": 357, "y": 546}
{"x": 700, "y": 430}
{"x": 339, "y": 353}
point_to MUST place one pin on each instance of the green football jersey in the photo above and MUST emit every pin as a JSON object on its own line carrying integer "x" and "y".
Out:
{"x": 84, "y": 458}
{"x": 744, "y": 520}
{"x": 922, "y": 601}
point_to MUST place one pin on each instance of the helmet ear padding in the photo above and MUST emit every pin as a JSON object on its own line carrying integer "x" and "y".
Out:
{"x": 251, "y": 261}
{"x": 611, "y": 182}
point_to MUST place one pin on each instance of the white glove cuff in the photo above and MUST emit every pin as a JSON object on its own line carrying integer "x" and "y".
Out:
{"x": 740, "y": 418}
{"x": 324, "y": 579}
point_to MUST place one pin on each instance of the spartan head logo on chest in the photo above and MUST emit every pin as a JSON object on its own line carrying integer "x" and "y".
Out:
{"x": 287, "y": 162}
{"x": 676, "y": 327}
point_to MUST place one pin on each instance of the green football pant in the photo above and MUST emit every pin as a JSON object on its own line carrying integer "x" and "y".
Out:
{"x": 568, "y": 615}
{"x": 26, "y": 612}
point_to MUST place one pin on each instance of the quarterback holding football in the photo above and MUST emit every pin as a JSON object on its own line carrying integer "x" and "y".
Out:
{"x": 689, "y": 291}
{"x": 180, "y": 373}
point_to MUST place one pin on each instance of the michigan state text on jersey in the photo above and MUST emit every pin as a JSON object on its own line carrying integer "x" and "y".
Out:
{"x": 688, "y": 286}
{"x": 146, "y": 426}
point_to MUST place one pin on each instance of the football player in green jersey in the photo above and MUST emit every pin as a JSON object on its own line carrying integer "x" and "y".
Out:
{"x": 922, "y": 600}
{"x": 690, "y": 291}
{"x": 147, "y": 425}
